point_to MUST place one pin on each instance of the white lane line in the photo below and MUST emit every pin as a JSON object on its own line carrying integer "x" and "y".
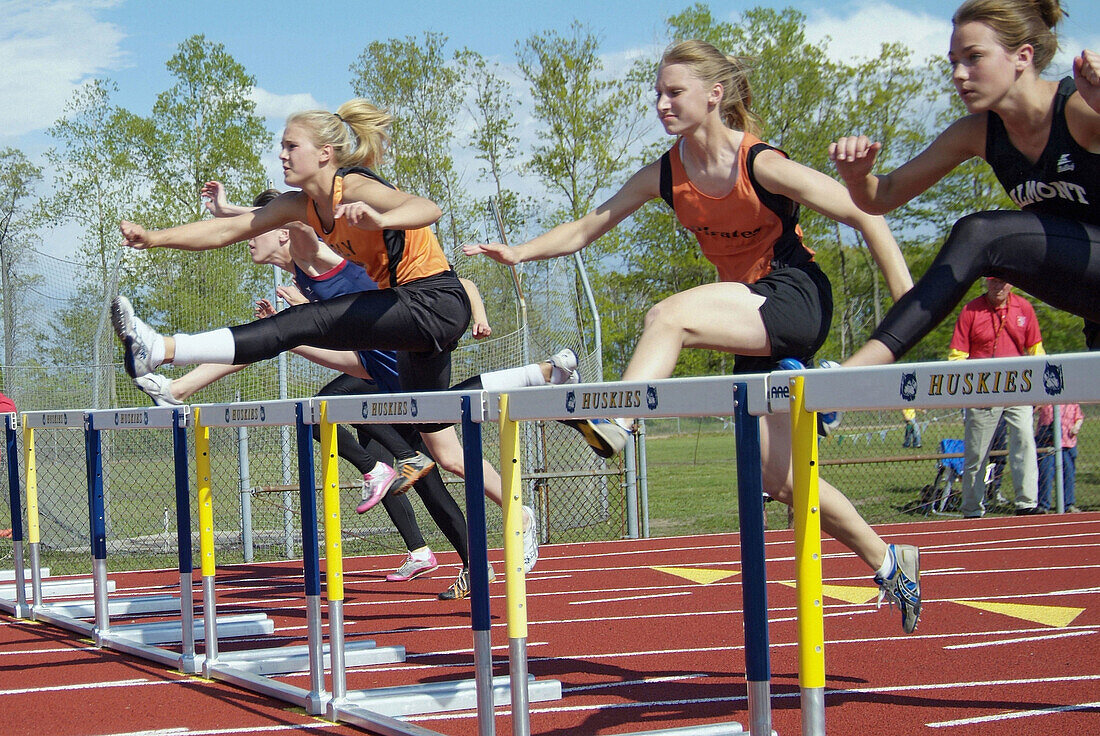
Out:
{"x": 216, "y": 731}
{"x": 1014, "y": 715}
{"x": 52, "y": 650}
{"x": 1021, "y": 640}
{"x": 631, "y": 598}
{"x": 86, "y": 686}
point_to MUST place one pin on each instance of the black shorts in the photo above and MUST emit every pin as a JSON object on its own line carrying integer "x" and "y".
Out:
{"x": 797, "y": 312}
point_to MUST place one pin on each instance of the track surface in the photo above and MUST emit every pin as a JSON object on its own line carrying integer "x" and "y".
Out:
{"x": 644, "y": 635}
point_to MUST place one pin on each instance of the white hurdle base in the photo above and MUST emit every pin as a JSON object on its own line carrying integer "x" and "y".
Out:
{"x": 171, "y": 632}
{"x": 437, "y": 697}
{"x": 9, "y": 575}
{"x": 118, "y": 607}
{"x": 285, "y": 660}
{"x": 57, "y": 588}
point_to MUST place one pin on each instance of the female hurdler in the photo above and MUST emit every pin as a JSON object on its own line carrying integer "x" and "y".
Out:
{"x": 740, "y": 198}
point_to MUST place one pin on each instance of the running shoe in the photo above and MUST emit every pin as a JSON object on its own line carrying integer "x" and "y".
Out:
{"x": 605, "y": 437}
{"x": 158, "y": 388}
{"x": 412, "y": 568}
{"x": 409, "y": 470}
{"x": 902, "y": 587}
{"x": 828, "y": 422}
{"x": 530, "y": 541}
{"x": 563, "y": 367}
{"x": 460, "y": 588}
{"x": 375, "y": 484}
{"x": 139, "y": 339}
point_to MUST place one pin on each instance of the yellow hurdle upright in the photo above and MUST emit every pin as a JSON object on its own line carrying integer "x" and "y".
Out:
{"x": 807, "y": 545}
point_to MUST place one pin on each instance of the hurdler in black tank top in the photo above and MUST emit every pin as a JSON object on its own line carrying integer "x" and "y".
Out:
{"x": 1064, "y": 182}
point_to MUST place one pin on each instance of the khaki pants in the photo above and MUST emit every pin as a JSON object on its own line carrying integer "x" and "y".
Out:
{"x": 980, "y": 425}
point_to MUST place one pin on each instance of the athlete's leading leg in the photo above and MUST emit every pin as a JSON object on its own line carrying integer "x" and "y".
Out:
{"x": 1051, "y": 258}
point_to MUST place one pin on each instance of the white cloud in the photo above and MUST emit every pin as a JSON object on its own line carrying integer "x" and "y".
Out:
{"x": 276, "y": 108}
{"x": 47, "y": 49}
{"x": 860, "y": 33}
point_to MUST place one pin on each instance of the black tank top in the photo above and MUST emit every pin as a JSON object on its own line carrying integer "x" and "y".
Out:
{"x": 1064, "y": 182}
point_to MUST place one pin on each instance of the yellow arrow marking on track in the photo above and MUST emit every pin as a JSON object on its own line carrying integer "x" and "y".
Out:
{"x": 1057, "y": 616}
{"x": 846, "y": 593}
{"x": 698, "y": 574}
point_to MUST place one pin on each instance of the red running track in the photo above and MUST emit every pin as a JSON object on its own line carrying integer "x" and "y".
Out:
{"x": 644, "y": 635}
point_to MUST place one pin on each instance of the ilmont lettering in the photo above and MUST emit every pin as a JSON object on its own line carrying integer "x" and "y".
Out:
{"x": 55, "y": 418}
{"x": 611, "y": 399}
{"x": 131, "y": 417}
{"x": 251, "y": 414}
{"x": 980, "y": 382}
{"x": 389, "y": 408}
{"x": 1031, "y": 192}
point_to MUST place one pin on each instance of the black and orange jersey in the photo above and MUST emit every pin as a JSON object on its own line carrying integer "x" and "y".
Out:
{"x": 390, "y": 257}
{"x": 745, "y": 233}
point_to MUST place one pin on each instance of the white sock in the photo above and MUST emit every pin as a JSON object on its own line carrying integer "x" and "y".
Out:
{"x": 216, "y": 346}
{"x": 420, "y": 554}
{"x": 525, "y": 375}
{"x": 887, "y": 568}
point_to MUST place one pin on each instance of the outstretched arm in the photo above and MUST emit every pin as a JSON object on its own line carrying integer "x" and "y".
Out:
{"x": 216, "y": 201}
{"x": 824, "y": 194}
{"x": 571, "y": 237}
{"x": 219, "y": 232}
{"x": 855, "y": 156}
{"x": 371, "y": 205}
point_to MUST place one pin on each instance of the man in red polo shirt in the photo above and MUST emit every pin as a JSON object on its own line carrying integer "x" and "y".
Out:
{"x": 998, "y": 324}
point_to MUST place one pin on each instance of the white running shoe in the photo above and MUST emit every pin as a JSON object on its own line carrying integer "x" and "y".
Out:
{"x": 530, "y": 541}
{"x": 158, "y": 388}
{"x": 375, "y": 485}
{"x": 563, "y": 367}
{"x": 139, "y": 340}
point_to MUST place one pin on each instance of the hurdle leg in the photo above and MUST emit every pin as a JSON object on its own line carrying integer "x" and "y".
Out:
{"x": 188, "y": 662}
{"x": 514, "y": 579}
{"x": 34, "y": 529}
{"x": 334, "y": 563}
{"x": 204, "y": 476}
{"x": 19, "y": 608}
{"x": 479, "y": 570}
{"x": 750, "y": 501}
{"x": 307, "y": 498}
{"x": 97, "y": 519}
{"x": 807, "y": 535}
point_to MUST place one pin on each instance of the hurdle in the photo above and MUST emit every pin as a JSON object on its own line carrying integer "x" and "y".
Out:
{"x": 252, "y": 669}
{"x": 747, "y": 398}
{"x": 376, "y": 708}
{"x": 17, "y": 606}
{"x": 1049, "y": 379}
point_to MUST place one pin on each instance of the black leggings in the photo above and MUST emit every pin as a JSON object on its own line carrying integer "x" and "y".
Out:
{"x": 441, "y": 506}
{"x": 422, "y": 321}
{"x": 1051, "y": 258}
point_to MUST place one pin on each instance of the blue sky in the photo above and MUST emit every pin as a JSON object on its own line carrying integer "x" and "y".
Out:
{"x": 300, "y": 52}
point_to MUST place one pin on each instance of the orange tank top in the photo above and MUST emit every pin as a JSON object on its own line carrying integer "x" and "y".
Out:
{"x": 745, "y": 233}
{"x": 390, "y": 257}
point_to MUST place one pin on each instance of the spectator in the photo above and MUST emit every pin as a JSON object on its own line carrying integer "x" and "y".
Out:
{"x": 912, "y": 429}
{"x": 995, "y": 325}
{"x": 1072, "y": 419}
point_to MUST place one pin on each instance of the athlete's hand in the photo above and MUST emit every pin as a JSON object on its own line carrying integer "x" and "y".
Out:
{"x": 480, "y": 330}
{"x": 359, "y": 214}
{"x": 1086, "y": 75}
{"x": 496, "y": 251}
{"x": 854, "y": 156}
{"x": 134, "y": 235}
{"x": 214, "y": 198}
{"x": 291, "y": 295}
{"x": 264, "y": 308}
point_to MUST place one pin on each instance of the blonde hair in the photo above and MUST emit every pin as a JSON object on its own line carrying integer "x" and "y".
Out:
{"x": 1016, "y": 23}
{"x": 358, "y": 131}
{"x": 713, "y": 67}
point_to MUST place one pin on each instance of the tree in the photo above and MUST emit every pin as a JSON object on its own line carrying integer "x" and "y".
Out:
{"x": 589, "y": 126}
{"x": 18, "y": 177}
{"x": 203, "y": 127}
{"x": 412, "y": 79}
